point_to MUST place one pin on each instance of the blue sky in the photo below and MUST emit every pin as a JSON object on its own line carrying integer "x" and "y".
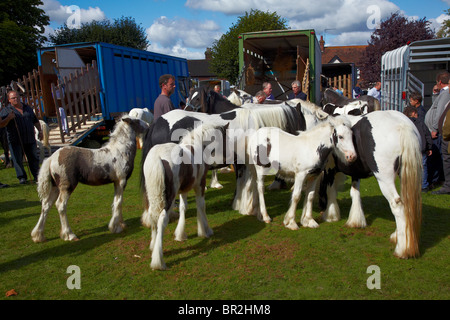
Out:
{"x": 186, "y": 28}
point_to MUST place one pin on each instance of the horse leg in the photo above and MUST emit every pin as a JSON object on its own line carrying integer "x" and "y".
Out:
{"x": 61, "y": 204}
{"x": 180, "y": 231}
{"x": 356, "y": 217}
{"x": 332, "y": 212}
{"x": 307, "y": 219}
{"x": 400, "y": 235}
{"x": 262, "y": 214}
{"x": 215, "y": 180}
{"x": 38, "y": 232}
{"x": 157, "y": 253}
{"x": 116, "y": 224}
{"x": 289, "y": 218}
{"x": 203, "y": 229}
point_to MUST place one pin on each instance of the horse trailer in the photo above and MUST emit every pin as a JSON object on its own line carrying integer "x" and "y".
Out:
{"x": 280, "y": 57}
{"x": 127, "y": 78}
{"x": 412, "y": 68}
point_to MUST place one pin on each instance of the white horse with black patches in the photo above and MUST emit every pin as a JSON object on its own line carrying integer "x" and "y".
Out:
{"x": 171, "y": 169}
{"x": 388, "y": 146}
{"x": 299, "y": 158}
{"x": 61, "y": 173}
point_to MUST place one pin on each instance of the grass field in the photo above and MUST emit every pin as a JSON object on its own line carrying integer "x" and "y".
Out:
{"x": 244, "y": 259}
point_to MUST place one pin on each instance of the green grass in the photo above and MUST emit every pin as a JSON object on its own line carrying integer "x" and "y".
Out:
{"x": 244, "y": 259}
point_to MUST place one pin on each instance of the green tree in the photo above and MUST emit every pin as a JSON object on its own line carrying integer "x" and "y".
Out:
{"x": 444, "y": 31}
{"x": 123, "y": 32}
{"x": 225, "y": 51}
{"x": 394, "y": 32}
{"x": 22, "y": 25}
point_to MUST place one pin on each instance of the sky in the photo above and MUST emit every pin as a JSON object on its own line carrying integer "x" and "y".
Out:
{"x": 185, "y": 28}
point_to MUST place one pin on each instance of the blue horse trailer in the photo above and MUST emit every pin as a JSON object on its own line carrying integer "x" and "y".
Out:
{"x": 128, "y": 77}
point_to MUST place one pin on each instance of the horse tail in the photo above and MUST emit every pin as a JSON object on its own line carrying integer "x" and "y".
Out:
{"x": 45, "y": 135}
{"x": 411, "y": 182}
{"x": 44, "y": 180}
{"x": 155, "y": 189}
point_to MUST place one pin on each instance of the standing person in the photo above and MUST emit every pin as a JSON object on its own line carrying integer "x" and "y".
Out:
{"x": 432, "y": 121}
{"x": 412, "y": 113}
{"x": 297, "y": 92}
{"x": 267, "y": 88}
{"x": 415, "y": 100}
{"x": 375, "y": 91}
{"x": 20, "y": 121}
{"x": 357, "y": 92}
{"x": 163, "y": 104}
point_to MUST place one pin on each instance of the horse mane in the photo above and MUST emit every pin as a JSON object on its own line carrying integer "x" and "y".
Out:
{"x": 281, "y": 116}
{"x": 122, "y": 134}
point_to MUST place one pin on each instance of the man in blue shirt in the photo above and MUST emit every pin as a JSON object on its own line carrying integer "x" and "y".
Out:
{"x": 267, "y": 88}
{"x": 297, "y": 91}
{"x": 20, "y": 121}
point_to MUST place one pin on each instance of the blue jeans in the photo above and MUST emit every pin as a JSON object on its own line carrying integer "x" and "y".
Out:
{"x": 17, "y": 157}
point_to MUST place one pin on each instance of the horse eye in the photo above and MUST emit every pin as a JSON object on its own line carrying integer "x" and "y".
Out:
{"x": 341, "y": 137}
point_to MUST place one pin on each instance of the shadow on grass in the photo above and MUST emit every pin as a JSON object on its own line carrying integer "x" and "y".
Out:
{"x": 18, "y": 204}
{"x": 73, "y": 248}
{"x": 225, "y": 234}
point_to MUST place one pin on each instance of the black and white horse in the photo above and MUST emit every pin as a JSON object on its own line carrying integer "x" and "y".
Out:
{"x": 176, "y": 168}
{"x": 387, "y": 145}
{"x": 334, "y": 103}
{"x": 68, "y": 166}
{"x": 172, "y": 126}
{"x": 299, "y": 158}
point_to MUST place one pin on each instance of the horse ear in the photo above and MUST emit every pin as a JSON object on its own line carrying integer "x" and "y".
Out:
{"x": 126, "y": 119}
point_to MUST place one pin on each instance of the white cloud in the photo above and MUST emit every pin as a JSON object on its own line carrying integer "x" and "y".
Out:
{"x": 182, "y": 37}
{"x": 59, "y": 14}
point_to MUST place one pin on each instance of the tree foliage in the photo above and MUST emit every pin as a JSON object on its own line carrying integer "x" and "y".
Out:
{"x": 225, "y": 51}
{"x": 444, "y": 31}
{"x": 394, "y": 32}
{"x": 22, "y": 26}
{"x": 124, "y": 32}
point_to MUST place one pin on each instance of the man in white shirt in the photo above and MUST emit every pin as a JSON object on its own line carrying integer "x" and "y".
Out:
{"x": 375, "y": 91}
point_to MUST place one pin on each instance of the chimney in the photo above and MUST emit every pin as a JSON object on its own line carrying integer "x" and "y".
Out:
{"x": 322, "y": 44}
{"x": 208, "y": 54}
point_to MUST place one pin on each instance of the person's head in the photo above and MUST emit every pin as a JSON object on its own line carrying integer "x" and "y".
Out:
{"x": 378, "y": 85}
{"x": 14, "y": 98}
{"x": 415, "y": 99}
{"x": 410, "y": 112}
{"x": 296, "y": 86}
{"x": 442, "y": 79}
{"x": 260, "y": 96}
{"x": 267, "y": 88}
{"x": 167, "y": 84}
{"x": 217, "y": 88}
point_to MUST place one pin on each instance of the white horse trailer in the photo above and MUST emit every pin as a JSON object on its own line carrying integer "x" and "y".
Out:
{"x": 412, "y": 68}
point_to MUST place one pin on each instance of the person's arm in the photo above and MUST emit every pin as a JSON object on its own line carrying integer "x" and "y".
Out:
{"x": 4, "y": 122}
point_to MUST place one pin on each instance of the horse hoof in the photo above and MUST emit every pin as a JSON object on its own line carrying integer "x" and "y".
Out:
{"x": 292, "y": 226}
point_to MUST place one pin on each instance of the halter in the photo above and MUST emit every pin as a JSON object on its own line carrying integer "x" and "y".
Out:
{"x": 194, "y": 108}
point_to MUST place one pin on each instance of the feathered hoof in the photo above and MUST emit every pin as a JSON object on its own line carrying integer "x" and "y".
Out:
{"x": 38, "y": 237}
{"x": 292, "y": 225}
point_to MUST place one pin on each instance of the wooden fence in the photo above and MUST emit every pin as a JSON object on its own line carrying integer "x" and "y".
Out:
{"x": 30, "y": 89}
{"x": 344, "y": 83}
{"x": 76, "y": 99}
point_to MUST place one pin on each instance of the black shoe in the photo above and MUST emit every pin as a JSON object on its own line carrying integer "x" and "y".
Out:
{"x": 425, "y": 190}
{"x": 440, "y": 191}
{"x": 23, "y": 181}
{"x": 3, "y": 185}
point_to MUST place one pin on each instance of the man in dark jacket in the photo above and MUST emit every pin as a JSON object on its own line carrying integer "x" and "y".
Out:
{"x": 20, "y": 121}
